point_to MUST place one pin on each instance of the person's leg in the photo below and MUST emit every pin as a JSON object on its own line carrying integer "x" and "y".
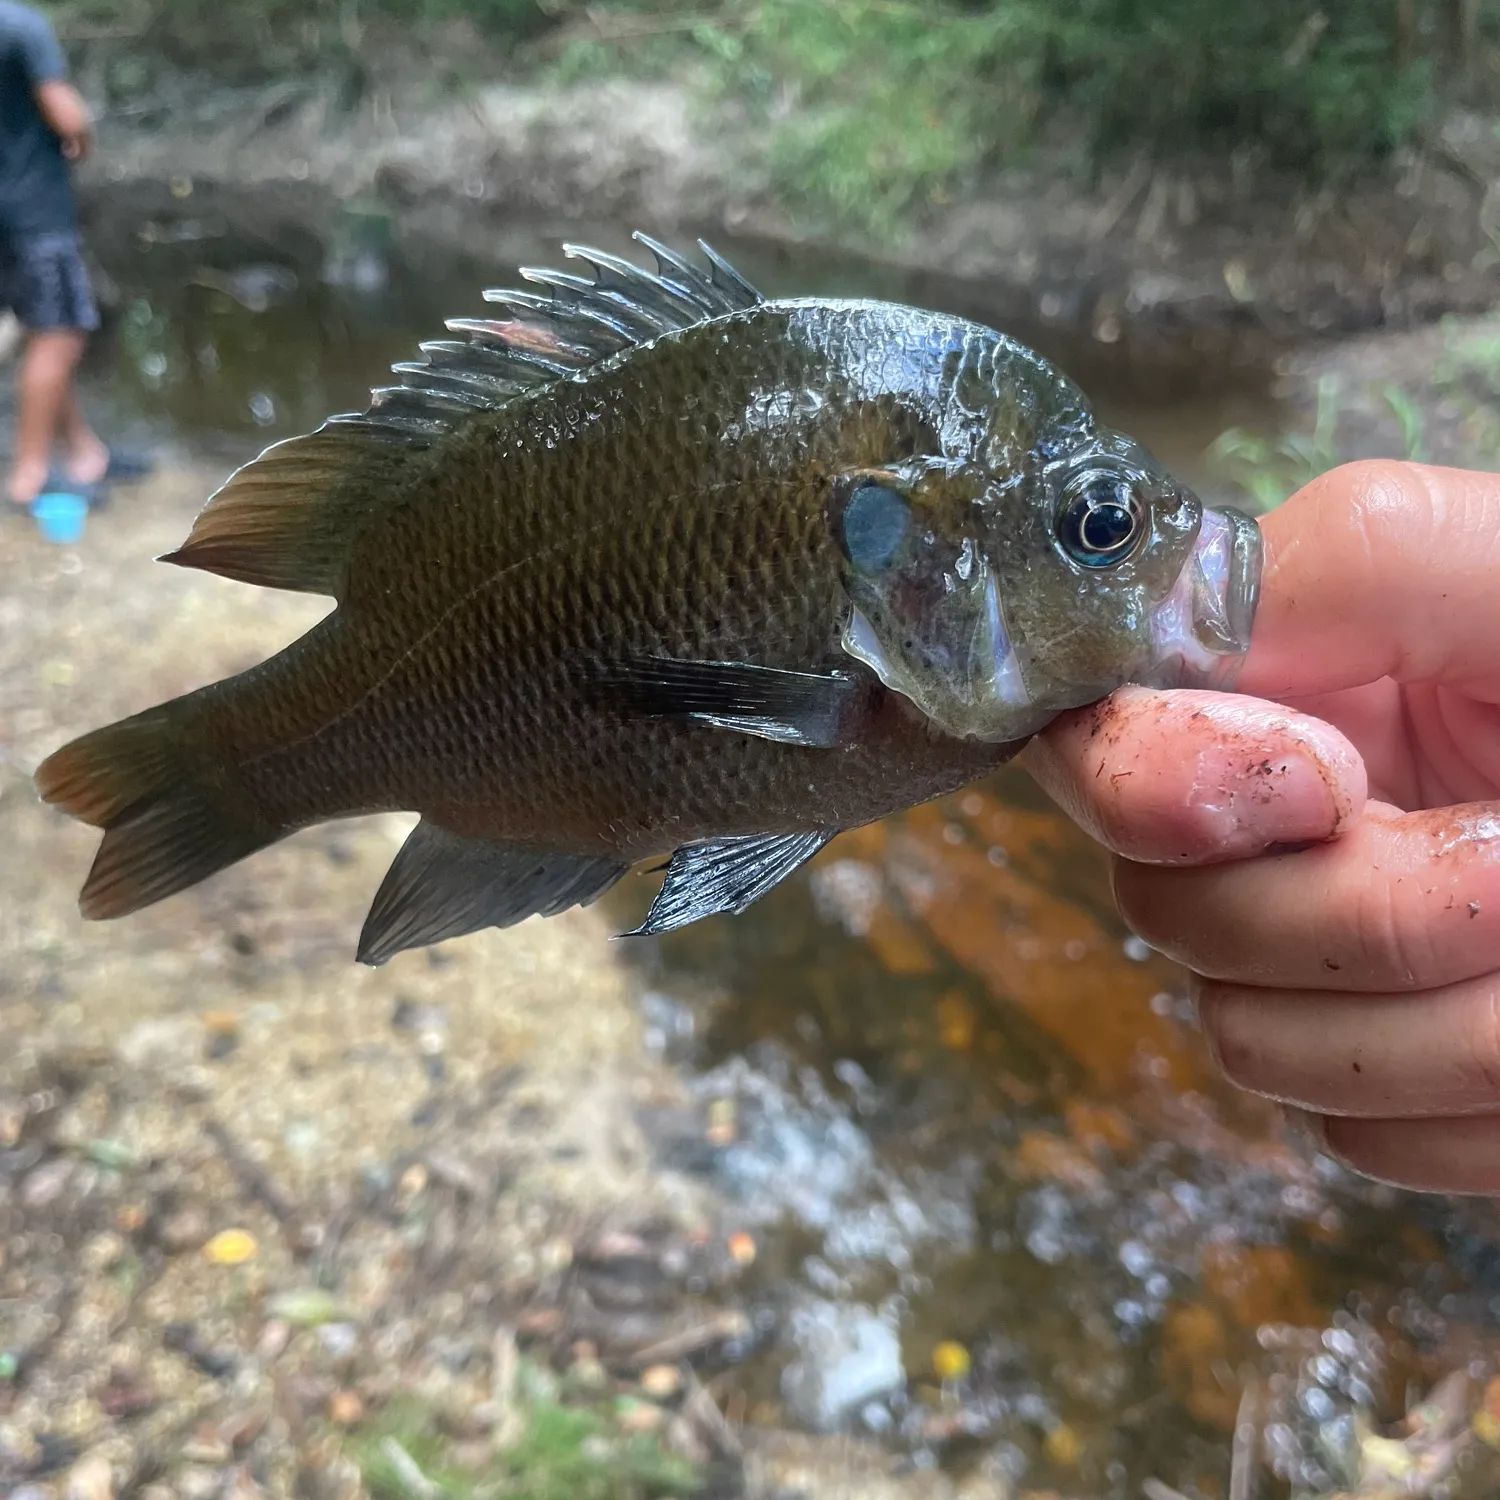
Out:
{"x": 48, "y": 286}
{"x": 87, "y": 457}
{"x": 43, "y": 390}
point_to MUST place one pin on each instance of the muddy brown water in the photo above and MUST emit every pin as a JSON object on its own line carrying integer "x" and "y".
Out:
{"x": 953, "y": 1101}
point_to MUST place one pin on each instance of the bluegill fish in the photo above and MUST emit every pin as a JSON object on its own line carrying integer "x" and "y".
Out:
{"x": 649, "y": 565}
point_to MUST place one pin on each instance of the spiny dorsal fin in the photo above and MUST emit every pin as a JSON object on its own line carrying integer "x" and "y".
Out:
{"x": 289, "y": 518}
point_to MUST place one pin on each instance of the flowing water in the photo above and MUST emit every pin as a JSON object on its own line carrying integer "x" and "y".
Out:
{"x": 1004, "y": 1209}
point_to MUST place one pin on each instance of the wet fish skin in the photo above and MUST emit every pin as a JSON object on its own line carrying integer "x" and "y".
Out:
{"x": 511, "y": 560}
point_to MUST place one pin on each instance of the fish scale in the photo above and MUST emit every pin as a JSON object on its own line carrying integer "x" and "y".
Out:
{"x": 596, "y": 605}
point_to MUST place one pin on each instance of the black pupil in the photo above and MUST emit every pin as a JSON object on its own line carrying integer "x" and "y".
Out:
{"x": 1102, "y": 523}
{"x": 1107, "y": 526}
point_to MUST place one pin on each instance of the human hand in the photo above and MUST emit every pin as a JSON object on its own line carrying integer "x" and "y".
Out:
{"x": 66, "y": 114}
{"x": 1356, "y": 981}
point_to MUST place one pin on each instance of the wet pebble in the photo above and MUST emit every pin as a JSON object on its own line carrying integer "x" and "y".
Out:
{"x": 661, "y": 1382}
{"x": 44, "y": 1185}
{"x": 207, "y": 1445}
{"x": 640, "y": 1416}
{"x": 126, "y": 1394}
{"x": 184, "y": 1229}
{"x": 847, "y": 1356}
{"x": 274, "y": 1337}
{"x": 339, "y": 1340}
{"x": 345, "y": 1409}
{"x": 91, "y": 1478}
{"x": 101, "y": 1252}
{"x": 195, "y": 1482}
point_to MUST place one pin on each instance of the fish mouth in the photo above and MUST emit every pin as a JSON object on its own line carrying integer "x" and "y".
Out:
{"x": 1201, "y": 630}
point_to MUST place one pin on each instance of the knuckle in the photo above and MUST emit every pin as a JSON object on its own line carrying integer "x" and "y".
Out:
{"x": 1391, "y": 946}
{"x": 1229, "y": 1028}
{"x": 1482, "y": 1041}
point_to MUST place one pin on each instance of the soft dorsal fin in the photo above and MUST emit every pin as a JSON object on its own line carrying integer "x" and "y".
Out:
{"x": 288, "y": 519}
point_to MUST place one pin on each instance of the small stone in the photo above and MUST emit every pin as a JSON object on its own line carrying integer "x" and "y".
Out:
{"x": 241, "y": 1428}
{"x": 126, "y": 1394}
{"x": 218, "y": 1045}
{"x": 101, "y": 1252}
{"x": 184, "y": 1229}
{"x": 986, "y": 1487}
{"x": 274, "y": 1337}
{"x": 345, "y": 1409}
{"x": 556, "y": 1255}
{"x": 339, "y": 1340}
{"x": 231, "y": 1247}
{"x": 410, "y": 1184}
{"x": 722, "y": 1126}
{"x": 587, "y": 1374}
{"x": 207, "y": 1446}
{"x": 12, "y": 1121}
{"x": 130, "y": 1218}
{"x": 661, "y": 1382}
{"x": 1063, "y": 1446}
{"x": 90, "y": 1479}
{"x": 194, "y": 1482}
{"x": 43, "y": 1186}
{"x": 639, "y": 1416}
{"x": 242, "y": 1487}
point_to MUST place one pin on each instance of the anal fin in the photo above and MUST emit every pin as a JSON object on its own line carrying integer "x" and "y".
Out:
{"x": 443, "y": 885}
{"x": 726, "y": 875}
{"x": 819, "y": 710}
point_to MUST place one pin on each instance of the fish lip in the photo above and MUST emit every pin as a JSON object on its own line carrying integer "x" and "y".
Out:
{"x": 1247, "y": 558}
{"x": 1202, "y": 628}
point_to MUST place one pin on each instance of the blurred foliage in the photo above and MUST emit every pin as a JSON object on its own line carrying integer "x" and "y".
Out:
{"x": 1451, "y": 405}
{"x": 877, "y": 108}
{"x": 255, "y": 41}
{"x": 559, "y": 1451}
{"x": 874, "y": 109}
{"x": 1271, "y": 469}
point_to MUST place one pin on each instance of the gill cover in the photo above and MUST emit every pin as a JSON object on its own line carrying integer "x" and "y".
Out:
{"x": 927, "y": 615}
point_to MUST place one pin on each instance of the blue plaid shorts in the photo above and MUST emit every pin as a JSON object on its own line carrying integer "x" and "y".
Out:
{"x": 44, "y": 281}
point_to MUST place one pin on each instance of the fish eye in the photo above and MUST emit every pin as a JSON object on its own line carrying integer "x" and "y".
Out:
{"x": 873, "y": 526}
{"x": 1102, "y": 523}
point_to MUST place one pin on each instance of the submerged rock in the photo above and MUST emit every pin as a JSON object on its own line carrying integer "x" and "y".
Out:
{"x": 846, "y": 1356}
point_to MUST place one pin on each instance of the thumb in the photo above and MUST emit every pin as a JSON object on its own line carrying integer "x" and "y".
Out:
{"x": 1379, "y": 569}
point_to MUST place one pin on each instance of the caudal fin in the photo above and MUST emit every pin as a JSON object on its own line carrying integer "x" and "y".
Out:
{"x": 171, "y": 816}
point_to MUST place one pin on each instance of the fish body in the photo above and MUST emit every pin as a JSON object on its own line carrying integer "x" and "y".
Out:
{"x": 655, "y": 566}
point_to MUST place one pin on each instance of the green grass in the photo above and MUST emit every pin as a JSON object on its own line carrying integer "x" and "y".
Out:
{"x": 561, "y": 1452}
{"x": 1271, "y": 469}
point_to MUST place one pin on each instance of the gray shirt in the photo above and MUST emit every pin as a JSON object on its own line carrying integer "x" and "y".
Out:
{"x": 35, "y": 194}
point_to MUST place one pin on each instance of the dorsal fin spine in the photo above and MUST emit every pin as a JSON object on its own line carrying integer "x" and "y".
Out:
{"x": 289, "y": 518}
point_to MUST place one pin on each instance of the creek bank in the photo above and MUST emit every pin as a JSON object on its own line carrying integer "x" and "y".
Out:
{"x": 1217, "y": 255}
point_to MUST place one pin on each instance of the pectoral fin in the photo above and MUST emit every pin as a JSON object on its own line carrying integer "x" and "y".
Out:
{"x": 820, "y": 710}
{"x": 442, "y": 885}
{"x": 726, "y": 875}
